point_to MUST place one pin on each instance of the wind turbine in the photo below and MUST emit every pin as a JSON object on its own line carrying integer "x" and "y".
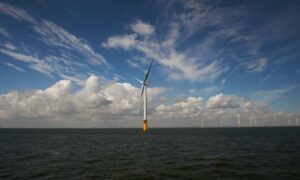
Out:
{"x": 297, "y": 122}
{"x": 238, "y": 120}
{"x": 202, "y": 122}
{"x": 145, "y": 84}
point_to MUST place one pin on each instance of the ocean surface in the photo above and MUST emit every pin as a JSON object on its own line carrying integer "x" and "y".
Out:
{"x": 180, "y": 153}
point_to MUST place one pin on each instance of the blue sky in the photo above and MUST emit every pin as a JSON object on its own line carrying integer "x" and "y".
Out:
{"x": 231, "y": 52}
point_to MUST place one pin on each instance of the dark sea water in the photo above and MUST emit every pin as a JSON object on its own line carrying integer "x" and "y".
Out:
{"x": 189, "y": 153}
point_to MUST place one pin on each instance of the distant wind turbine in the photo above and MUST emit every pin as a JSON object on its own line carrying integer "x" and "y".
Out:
{"x": 297, "y": 122}
{"x": 145, "y": 84}
{"x": 254, "y": 116}
{"x": 238, "y": 120}
{"x": 250, "y": 121}
{"x": 202, "y": 122}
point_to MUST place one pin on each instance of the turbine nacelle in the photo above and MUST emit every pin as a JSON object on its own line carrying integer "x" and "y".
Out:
{"x": 146, "y": 83}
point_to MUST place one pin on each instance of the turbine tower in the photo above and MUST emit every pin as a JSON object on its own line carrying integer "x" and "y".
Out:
{"x": 202, "y": 122}
{"x": 297, "y": 122}
{"x": 145, "y": 84}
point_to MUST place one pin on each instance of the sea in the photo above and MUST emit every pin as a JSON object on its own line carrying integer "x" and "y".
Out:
{"x": 162, "y": 153}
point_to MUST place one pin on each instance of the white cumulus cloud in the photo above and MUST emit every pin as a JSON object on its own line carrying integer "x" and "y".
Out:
{"x": 142, "y": 28}
{"x": 125, "y": 42}
{"x": 58, "y": 102}
{"x": 221, "y": 101}
{"x": 190, "y": 107}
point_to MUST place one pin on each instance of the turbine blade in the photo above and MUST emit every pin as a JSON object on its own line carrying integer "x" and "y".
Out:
{"x": 146, "y": 77}
{"x": 140, "y": 81}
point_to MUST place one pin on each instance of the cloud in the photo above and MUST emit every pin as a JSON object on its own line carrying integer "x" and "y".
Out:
{"x": 193, "y": 41}
{"x": 197, "y": 15}
{"x": 64, "y": 54}
{"x": 10, "y": 46}
{"x": 90, "y": 96}
{"x": 125, "y": 42}
{"x": 54, "y": 35}
{"x": 34, "y": 62}
{"x": 52, "y": 101}
{"x": 221, "y": 101}
{"x": 20, "y": 57}
{"x": 43, "y": 67}
{"x": 249, "y": 107}
{"x": 78, "y": 81}
{"x": 258, "y": 65}
{"x": 221, "y": 31}
{"x": 50, "y": 66}
{"x": 142, "y": 28}
{"x": 60, "y": 102}
{"x": 178, "y": 65}
{"x": 138, "y": 62}
{"x": 4, "y": 32}
{"x": 14, "y": 67}
{"x": 16, "y": 13}
{"x": 190, "y": 107}
{"x": 117, "y": 103}
{"x": 125, "y": 97}
{"x": 173, "y": 44}
{"x": 222, "y": 83}
{"x": 267, "y": 96}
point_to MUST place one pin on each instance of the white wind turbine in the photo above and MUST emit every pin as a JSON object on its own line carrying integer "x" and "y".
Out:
{"x": 254, "y": 116}
{"x": 202, "y": 122}
{"x": 238, "y": 120}
{"x": 297, "y": 122}
{"x": 250, "y": 121}
{"x": 145, "y": 84}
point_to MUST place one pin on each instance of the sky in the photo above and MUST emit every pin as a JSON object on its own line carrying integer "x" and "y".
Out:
{"x": 75, "y": 63}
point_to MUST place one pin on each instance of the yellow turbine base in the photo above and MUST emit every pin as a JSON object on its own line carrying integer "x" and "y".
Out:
{"x": 145, "y": 127}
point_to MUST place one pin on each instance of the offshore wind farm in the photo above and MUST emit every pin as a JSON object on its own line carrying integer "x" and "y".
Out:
{"x": 139, "y": 89}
